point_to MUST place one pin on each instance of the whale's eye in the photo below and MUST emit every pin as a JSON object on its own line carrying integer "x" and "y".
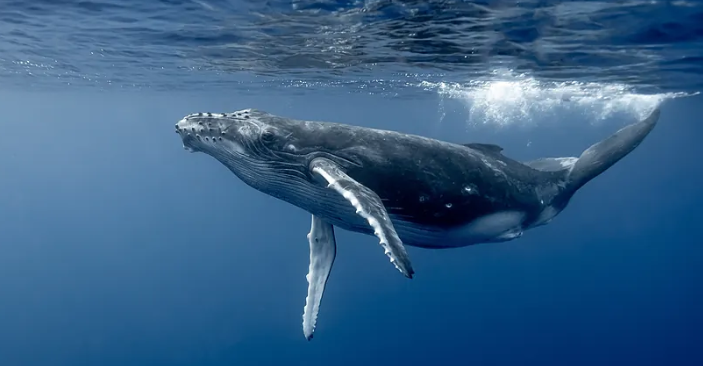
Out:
{"x": 268, "y": 136}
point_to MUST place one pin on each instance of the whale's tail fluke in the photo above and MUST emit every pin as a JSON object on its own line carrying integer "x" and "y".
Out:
{"x": 575, "y": 172}
{"x": 602, "y": 155}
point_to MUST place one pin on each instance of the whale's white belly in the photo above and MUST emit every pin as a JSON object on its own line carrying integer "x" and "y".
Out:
{"x": 499, "y": 226}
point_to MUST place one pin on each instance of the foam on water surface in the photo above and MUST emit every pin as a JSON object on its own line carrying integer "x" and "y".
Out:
{"x": 511, "y": 98}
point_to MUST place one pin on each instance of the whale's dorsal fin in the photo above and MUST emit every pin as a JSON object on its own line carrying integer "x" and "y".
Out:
{"x": 369, "y": 206}
{"x": 486, "y": 148}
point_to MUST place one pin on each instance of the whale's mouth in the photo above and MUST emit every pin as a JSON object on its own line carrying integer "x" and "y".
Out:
{"x": 199, "y": 131}
{"x": 207, "y": 133}
{"x": 191, "y": 143}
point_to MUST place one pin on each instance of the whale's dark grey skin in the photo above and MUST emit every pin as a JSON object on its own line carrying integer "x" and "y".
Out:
{"x": 404, "y": 189}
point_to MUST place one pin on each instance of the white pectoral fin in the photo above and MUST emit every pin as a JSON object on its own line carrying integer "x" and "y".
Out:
{"x": 323, "y": 250}
{"x": 369, "y": 206}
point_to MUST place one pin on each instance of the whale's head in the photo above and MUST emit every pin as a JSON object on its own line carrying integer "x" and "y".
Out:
{"x": 268, "y": 152}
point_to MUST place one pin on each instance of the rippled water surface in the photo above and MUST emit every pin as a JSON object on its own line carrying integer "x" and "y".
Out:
{"x": 374, "y": 45}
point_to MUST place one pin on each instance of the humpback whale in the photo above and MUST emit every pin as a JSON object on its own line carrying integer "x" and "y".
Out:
{"x": 403, "y": 189}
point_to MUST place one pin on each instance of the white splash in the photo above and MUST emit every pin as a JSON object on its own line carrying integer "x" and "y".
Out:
{"x": 511, "y": 99}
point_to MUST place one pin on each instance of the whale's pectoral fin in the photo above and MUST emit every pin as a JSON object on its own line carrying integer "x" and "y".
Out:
{"x": 369, "y": 206}
{"x": 323, "y": 249}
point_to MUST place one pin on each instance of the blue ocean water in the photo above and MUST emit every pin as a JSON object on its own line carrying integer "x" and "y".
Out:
{"x": 117, "y": 247}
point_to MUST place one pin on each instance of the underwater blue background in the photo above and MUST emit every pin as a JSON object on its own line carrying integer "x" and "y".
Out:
{"x": 118, "y": 247}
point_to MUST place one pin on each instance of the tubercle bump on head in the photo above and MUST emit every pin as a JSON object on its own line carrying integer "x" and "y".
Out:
{"x": 244, "y": 113}
{"x": 207, "y": 125}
